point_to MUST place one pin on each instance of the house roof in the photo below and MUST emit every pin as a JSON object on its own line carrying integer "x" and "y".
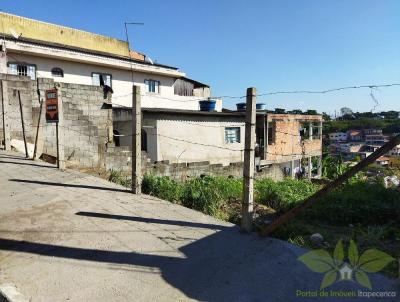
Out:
{"x": 60, "y": 37}
{"x": 354, "y": 132}
{"x": 195, "y": 83}
{"x": 192, "y": 112}
{"x": 383, "y": 158}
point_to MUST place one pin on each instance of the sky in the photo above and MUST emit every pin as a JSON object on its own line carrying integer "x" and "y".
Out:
{"x": 276, "y": 45}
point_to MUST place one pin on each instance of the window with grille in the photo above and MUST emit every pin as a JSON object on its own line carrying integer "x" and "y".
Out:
{"x": 101, "y": 79}
{"x": 152, "y": 86}
{"x": 232, "y": 135}
{"x": 22, "y": 69}
{"x": 57, "y": 72}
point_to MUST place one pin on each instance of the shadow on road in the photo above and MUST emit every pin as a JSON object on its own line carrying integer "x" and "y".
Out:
{"x": 153, "y": 220}
{"x": 47, "y": 183}
{"x": 224, "y": 266}
{"x": 25, "y": 164}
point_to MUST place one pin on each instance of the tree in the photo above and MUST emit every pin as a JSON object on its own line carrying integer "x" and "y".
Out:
{"x": 312, "y": 112}
{"x": 346, "y": 111}
{"x": 391, "y": 115}
{"x": 279, "y": 110}
{"x": 326, "y": 116}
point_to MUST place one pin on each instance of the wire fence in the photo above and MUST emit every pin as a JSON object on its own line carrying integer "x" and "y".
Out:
{"x": 296, "y": 140}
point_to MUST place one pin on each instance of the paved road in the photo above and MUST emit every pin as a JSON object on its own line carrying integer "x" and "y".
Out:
{"x": 67, "y": 236}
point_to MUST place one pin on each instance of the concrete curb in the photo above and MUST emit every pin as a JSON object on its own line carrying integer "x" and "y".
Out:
{"x": 9, "y": 293}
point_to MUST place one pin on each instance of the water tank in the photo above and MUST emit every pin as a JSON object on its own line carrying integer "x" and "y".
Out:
{"x": 208, "y": 105}
{"x": 241, "y": 106}
{"x": 261, "y": 106}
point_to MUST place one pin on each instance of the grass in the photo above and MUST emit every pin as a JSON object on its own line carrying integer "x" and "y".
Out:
{"x": 366, "y": 212}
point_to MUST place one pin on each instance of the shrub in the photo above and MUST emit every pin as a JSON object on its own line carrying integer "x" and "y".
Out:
{"x": 283, "y": 195}
{"x": 358, "y": 202}
{"x": 118, "y": 178}
{"x": 162, "y": 187}
{"x": 208, "y": 194}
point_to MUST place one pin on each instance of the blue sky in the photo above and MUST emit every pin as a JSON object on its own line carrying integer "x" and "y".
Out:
{"x": 271, "y": 45}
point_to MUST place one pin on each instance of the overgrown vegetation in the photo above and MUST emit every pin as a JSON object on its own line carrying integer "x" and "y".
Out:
{"x": 387, "y": 125}
{"x": 364, "y": 211}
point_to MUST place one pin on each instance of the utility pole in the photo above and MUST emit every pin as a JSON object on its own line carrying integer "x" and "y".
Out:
{"x": 23, "y": 124}
{"x": 248, "y": 171}
{"x": 136, "y": 141}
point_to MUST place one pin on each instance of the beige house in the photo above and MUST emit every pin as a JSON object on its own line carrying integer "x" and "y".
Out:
{"x": 180, "y": 136}
{"x": 42, "y": 50}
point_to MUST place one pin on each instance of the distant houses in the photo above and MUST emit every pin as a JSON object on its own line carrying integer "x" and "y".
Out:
{"x": 360, "y": 143}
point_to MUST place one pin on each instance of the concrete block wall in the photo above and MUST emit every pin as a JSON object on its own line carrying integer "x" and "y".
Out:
{"x": 86, "y": 124}
{"x": 119, "y": 159}
{"x": 15, "y": 84}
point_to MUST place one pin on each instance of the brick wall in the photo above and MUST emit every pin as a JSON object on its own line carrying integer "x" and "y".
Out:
{"x": 15, "y": 84}
{"x": 287, "y": 143}
{"x": 86, "y": 125}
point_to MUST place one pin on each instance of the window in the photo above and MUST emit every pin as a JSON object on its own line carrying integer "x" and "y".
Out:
{"x": 101, "y": 79}
{"x": 152, "y": 86}
{"x": 271, "y": 134}
{"x": 57, "y": 72}
{"x": 22, "y": 69}
{"x": 232, "y": 135}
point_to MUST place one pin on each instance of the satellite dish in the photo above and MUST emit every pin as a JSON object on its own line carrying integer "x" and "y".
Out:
{"x": 14, "y": 33}
{"x": 148, "y": 60}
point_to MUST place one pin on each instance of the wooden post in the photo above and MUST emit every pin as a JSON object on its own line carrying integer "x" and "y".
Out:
{"x": 330, "y": 187}
{"x": 248, "y": 171}
{"x": 58, "y": 147}
{"x": 309, "y": 171}
{"x": 39, "y": 120}
{"x": 6, "y": 123}
{"x": 23, "y": 124}
{"x": 136, "y": 141}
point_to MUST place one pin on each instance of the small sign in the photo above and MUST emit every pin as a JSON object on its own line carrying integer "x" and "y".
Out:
{"x": 51, "y": 106}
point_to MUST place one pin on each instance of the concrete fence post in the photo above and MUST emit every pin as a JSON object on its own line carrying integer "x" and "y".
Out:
{"x": 249, "y": 165}
{"x": 136, "y": 141}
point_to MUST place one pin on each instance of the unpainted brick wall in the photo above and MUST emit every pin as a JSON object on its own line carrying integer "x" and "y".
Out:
{"x": 287, "y": 144}
{"x": 15, "y": 84}
{"x": 86, "y": 123}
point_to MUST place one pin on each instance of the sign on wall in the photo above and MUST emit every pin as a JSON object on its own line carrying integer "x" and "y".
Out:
{"x": 51, "y": 105}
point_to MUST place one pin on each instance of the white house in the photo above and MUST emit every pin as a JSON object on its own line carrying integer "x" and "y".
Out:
{"x": 338, "y": 137}
{"x": 38, "y": 49}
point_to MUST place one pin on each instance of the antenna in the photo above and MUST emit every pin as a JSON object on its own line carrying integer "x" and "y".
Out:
{"x": 147, "y": 59}
{"x": 127, "y": 41}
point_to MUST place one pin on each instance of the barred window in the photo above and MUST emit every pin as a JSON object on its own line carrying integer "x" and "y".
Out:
{"x": 232, "y": 135}
{"x": 101, "y": 79}
{"x": 152, "y": 86}
{"x": 22, "y": 70}
{"x": 57, "y": 72}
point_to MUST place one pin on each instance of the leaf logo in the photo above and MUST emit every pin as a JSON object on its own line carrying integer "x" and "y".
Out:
{"x": 335, "y": 269}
